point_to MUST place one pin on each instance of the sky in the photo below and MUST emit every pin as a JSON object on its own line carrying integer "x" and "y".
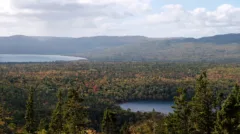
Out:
{"x": 151, "y": 18}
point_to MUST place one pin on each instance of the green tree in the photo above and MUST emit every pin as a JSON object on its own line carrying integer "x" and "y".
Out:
{"x": 43, "y": 125}
{"x": 4, "y": 119}
{"x": 109, "y": 122}
{"x": 228, "y": 118}
{"x": 219, "y": 100}
{"x": 171, "y": 125}
{"x": 179, "y": 122}
{"x": 202, "y": 105}
{"x": 56, "y": 124}
{"x": 124, "y": 128}
{"x": 154, "y": 116}
{"x": 74, "y": 115}
{"x": 29, "y": 115}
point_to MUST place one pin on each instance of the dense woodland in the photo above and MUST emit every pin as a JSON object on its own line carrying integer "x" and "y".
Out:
{"x": 83, "y": 97}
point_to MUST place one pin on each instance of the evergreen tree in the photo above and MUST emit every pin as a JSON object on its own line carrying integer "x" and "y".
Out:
{"x": 56, "y": 124}
{"x": 4, "y": 120}
{"x": 171, "y": 125}
{"x": 42, "y": 125}
{"x": 154, "y": 116}
{"x": 202, "y": 104}
{"x": 228, "y": 118}
{"x": 29, "y": 115}
{"x": 124, "y": 129}
{"x": 109, "y": 122}
{"x": 179, "y": 122}
{"x": 219, "y": 100}
{"x": 74, "y": 114}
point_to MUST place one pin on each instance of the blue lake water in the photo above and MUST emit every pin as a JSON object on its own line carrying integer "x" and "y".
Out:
{"x": 147, "y": 106}
{"x": 36, "y": 58}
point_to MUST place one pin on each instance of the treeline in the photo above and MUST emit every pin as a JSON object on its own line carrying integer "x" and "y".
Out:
{"x": 69, "y": 116}
{"x": 209, "y": 111}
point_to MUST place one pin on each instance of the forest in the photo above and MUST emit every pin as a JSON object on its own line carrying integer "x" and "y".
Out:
{"x": 84, "y": 97}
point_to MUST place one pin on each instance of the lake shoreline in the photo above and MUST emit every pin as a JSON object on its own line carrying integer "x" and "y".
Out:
{"x": 147, "y": 106}
{"x": 37, "y": 58}
{"x": 134, "y": 100}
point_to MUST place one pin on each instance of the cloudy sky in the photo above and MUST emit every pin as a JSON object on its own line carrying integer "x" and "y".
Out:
{"x": 152, "y": 18}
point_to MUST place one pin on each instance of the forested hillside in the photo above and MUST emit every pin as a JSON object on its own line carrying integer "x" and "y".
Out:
{"x": 169, "y": 51}
{"x": 83, "y": 97}
{"x": 61, "y": 45}
{"x": 129, "y": 48}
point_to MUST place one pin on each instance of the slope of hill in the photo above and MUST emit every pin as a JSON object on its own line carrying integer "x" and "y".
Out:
{"x": 168, "y": 51}
{"x": 61, "y": 45}
{"x": 128, "y": 48}
{"x": 214, "y": 48}
{"x": 217, "y": 39}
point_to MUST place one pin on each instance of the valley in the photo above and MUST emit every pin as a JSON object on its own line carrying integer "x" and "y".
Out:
{"x": 104, "y": 85}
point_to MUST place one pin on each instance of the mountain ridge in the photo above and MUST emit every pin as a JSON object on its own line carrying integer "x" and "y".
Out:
{"x": 127, "y": 48}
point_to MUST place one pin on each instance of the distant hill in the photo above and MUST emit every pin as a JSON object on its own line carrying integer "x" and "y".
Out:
{"x": 61, "y": 45}
{"x": 128, "y": 48}
{"x": 217, "y": 39}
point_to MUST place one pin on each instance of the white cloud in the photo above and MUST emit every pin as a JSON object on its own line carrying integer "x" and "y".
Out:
{"x": 197, "y": 22}
{"x": 113, "y": 17}
{"x": 66, "y": 17}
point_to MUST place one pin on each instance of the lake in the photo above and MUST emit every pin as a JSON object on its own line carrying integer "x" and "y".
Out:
{"x": 36, "y": 58}
{"x": 147, "y": 106}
